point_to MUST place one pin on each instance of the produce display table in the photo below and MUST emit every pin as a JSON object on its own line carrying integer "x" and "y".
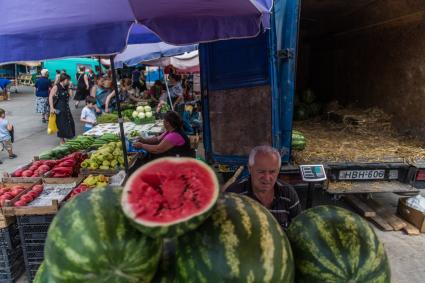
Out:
{"x": 129, "y": 127}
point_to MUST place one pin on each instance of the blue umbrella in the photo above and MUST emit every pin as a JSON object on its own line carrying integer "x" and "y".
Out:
{"x": 137, "y": 53}
{"x": 39, "y": 30}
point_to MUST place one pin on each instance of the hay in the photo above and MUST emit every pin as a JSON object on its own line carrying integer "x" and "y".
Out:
{"x": 361, "y": 135}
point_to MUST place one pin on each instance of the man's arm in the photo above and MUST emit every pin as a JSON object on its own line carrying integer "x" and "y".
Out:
{"x": 295, "y": 206}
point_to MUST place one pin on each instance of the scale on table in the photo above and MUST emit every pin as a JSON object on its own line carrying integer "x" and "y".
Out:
{"x": 312, "y": 174}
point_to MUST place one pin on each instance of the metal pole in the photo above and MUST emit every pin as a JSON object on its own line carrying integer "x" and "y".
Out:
{"x": 120, "y": 119}
{"x": 169, "y": 95}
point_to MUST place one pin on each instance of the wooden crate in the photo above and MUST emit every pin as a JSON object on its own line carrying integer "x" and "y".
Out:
{"x": 110, "y": 172}
{"x": 50, "y": 208}
{"x": 6, "y": 218}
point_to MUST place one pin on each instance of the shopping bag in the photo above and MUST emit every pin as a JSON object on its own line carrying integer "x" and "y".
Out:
{"x": 52, "y": 127}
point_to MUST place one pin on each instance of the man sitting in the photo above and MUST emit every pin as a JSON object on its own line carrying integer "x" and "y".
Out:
{"x": 262, "y": 185}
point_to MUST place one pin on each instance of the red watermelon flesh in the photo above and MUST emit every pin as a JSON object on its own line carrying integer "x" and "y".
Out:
{"x": 170, "y": 191}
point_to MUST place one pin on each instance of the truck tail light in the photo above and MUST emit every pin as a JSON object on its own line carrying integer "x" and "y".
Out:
{"x": 420, "y": 175}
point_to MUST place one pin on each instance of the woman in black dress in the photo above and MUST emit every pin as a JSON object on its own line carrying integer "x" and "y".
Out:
{"x": 59, "y": 104}
{"x": 83, "y": 86}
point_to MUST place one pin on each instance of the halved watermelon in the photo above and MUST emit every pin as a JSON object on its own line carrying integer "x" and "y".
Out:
{"x": 170, "y": 196}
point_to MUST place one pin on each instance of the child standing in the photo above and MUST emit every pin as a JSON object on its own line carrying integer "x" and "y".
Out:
{"x": 88, "y": 114}
{"x": 5, "y": 137}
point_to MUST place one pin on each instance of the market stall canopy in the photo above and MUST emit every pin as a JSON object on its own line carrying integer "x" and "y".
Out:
{"x": 187, "y": 63}
{"x": 183, "y": 61}
{"x": 39, "y": 30}
{"x": 137, "y": 53}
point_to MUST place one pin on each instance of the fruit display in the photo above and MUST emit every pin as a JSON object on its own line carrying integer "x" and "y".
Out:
{"x": 240, "y": 242}
{"x": 105, "y": 139}
{"x": 90, "y": 182}
{"x": 108, "y": 156}
{"x": 170, "y": 196}
{"x": 29, "y": 196}
{"x": 68, "y": 166}
{"x": 298, "y": 140}
{"x": 90, "y": 240}
{"x": 7, "y": 194}
{"x": 143, "y": 115}
{"x": 306, "y": 105}
{"x": 80, "y": 142}
{"x": 35, "y": 169}
{"x": 332, "y": 244}
{"x": 165, "y": 108}
{"x": 110, "y": 118}
{"x": 56, "y": 153}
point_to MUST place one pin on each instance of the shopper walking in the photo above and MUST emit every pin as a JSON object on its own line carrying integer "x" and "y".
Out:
{"x": 42, "y": 87}
{"x": 83, "y": 86}
{"x": 59, "y": 104}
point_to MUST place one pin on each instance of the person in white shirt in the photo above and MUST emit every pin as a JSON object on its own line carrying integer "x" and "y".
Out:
{"x": 88, "y": 114}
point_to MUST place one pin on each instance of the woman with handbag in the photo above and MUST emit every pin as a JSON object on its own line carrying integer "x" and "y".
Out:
{"x": 59, "y": 104}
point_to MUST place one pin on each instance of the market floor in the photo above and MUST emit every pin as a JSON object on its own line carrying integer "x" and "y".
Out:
{"x": 406, "y": 253}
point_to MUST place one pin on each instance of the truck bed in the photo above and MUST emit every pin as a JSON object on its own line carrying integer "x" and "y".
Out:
{"x": 354, "y": 135}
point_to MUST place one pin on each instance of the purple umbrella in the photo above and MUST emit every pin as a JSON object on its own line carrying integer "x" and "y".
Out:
{"x": 38, "y": 30}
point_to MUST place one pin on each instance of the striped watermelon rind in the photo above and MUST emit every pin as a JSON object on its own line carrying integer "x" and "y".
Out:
{"x": 240, "y": 242}
{"x": 332, "y": 244}
{"x": 179, "y": 226}
{"x": 91, "y": 240}
{"x": 42, "y": 275}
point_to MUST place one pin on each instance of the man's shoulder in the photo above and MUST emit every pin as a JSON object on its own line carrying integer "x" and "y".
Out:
{"x": 286, "y": 191}
{"x": 239, "y": 187}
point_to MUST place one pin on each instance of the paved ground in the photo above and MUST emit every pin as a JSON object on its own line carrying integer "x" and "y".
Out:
{"x": 30, "y": 133}
{"x": 406, "y": 253}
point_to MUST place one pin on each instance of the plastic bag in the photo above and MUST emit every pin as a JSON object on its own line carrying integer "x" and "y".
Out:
{"x": 52, "y": 127}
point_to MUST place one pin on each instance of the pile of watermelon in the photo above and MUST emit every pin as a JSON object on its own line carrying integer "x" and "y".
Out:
{"x": 306, "y": 106}
{"x": 298, "y": 140}
{"x": 169, "y": 224}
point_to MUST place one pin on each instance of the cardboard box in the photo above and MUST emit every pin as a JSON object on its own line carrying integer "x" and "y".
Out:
{"x": 411, "y": 215}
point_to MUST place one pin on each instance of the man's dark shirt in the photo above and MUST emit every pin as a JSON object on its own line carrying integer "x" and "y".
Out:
{"x": 285, "y": 205}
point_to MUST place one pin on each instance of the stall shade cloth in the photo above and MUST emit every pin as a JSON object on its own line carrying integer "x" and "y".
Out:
{"x": 186, "y": 63}
{"x": 39, "y": 30}
{"x": 138, "y": 53}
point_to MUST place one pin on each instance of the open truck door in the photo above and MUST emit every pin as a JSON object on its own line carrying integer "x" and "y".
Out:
{"x": 248, "y": 88}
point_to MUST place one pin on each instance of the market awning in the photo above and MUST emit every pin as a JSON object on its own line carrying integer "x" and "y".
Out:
{"x": 137, "y": 53}
{"x": 39, "y": 30}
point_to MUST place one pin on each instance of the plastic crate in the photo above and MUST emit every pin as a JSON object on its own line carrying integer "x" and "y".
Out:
{"x": 33, "y": 253}
{"x": 35, "y": 219}
{"x": 11, "y": 264}
{"x": 14, "y": 275}
{"x": 8, "y": 257}
{"x": 31, "y": 270}
{"x": 33, "y": 234}
{"x": 9, "y": 237}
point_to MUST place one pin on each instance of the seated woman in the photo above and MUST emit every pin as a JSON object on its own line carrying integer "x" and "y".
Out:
{"x": 155, "y": 92}
{"x": 173, "y": 142}
{"x": 102, "y": 93}
{"x": 127, "y": 94}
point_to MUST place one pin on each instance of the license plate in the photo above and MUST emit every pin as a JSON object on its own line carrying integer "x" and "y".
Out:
{"x": 361, "y": 174}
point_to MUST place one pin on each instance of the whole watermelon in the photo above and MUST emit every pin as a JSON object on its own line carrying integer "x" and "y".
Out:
{"x": 43, "y": 275}
{"x": 332, "y": 244}
{"x": 240, "y": 242}
{"x": 90, "y": 240}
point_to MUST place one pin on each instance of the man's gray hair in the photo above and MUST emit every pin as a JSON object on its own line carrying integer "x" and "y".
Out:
{"x": 263, "y": 149}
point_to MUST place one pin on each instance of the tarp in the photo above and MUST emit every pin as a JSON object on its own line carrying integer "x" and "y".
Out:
{"x": 188, "y": 62}
{"x": 39, "y": 30}
{"x": 137, "y": 53}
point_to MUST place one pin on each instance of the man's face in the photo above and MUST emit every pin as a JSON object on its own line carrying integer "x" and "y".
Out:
{"x": 264, "y": 172}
